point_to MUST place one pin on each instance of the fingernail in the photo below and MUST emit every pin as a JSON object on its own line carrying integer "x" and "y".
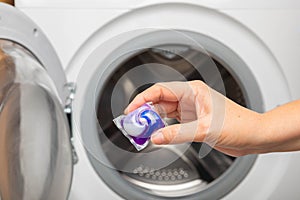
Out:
{"x": 158, "y": 137}
{"x": 126, "y": 111}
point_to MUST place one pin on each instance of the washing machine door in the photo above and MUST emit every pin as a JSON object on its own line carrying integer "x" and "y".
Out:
{"x": 35, "y": 150}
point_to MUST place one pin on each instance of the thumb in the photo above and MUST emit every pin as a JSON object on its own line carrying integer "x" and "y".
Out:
{"x": 174, "y": 134}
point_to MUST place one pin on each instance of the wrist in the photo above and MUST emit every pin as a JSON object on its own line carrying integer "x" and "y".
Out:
{"x": 243, "y": 130}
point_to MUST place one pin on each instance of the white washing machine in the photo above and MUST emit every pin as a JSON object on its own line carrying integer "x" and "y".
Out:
{"x": 111, "y": 50}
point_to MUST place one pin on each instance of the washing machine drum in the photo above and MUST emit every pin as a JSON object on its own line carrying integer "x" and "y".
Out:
{"x": 35, "y": 151}
{"x": 185, "y": 171}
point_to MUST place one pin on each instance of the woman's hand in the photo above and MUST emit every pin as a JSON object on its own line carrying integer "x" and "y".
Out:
{"x": 207, "y": 116}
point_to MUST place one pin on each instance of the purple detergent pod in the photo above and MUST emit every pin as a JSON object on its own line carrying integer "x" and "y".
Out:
{"x": 138, "y": 125}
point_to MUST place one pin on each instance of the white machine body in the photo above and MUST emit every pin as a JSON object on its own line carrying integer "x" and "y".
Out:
{"x": 271, "y": 24}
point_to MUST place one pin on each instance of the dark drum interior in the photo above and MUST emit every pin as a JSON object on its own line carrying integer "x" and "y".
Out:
{"x": 188, "y": 173}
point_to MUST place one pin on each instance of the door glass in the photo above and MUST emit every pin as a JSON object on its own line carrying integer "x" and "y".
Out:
{"x": 35, "y": 153}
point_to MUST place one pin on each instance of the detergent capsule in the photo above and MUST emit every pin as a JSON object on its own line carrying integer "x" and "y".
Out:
{"x": 139, "y": 124}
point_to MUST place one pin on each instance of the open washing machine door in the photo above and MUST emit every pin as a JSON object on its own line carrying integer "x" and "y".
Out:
{"x": 35, "y": 148}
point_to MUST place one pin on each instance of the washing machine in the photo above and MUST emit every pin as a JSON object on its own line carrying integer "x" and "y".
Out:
{"x": 69, "y": 67}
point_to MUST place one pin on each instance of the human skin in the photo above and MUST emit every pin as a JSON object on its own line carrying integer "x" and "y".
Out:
{"x": 207, "y": 116}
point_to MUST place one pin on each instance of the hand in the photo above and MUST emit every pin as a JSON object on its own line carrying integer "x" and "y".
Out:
{"x": 204, "y": 116}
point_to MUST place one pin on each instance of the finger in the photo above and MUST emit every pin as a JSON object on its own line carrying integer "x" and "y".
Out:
{"x": 178, "y": 133}
{"x": 170, "y": 91}
{"x": 164, "y": 108}
{"x": 173, "y": 115}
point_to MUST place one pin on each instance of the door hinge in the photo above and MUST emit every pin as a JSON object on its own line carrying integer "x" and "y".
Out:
{"x": 71, "y": 89}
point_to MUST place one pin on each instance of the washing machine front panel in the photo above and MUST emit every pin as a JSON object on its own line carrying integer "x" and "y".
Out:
{"x": 282, "y": 37}
{"x": 234, "y": 46}
{"x": 246, "y": 42}
{"x": 92, "y": 15}
{"x": 35, "y": 151}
